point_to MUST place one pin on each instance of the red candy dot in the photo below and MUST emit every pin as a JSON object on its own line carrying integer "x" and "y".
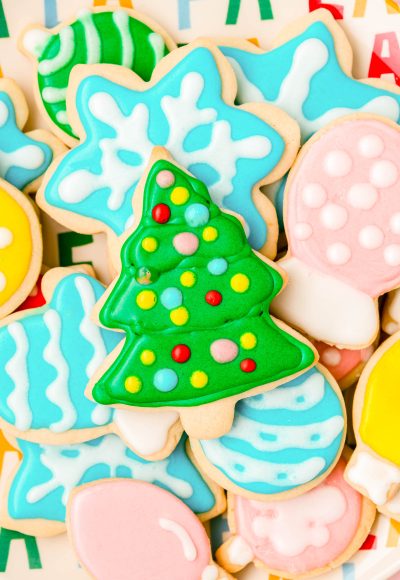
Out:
{"x": 248, "y": 365}
{"x": 181, "y": 353}
{"x": 161, "y": 213}
{"x": 213, "y": 298}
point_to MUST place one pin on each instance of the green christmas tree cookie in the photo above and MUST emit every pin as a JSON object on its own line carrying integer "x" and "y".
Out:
{"x": 193, "y": 299}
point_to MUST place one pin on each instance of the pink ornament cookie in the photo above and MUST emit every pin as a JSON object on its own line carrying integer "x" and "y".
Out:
{"x": 299, "y": 537}
{"x": 345, "y": 365}
{"x": 342, "y": 218}
{"x": 125, "y": 529}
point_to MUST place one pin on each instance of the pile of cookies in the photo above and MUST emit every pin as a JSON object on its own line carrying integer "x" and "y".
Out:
{"x": 136, "y": 407}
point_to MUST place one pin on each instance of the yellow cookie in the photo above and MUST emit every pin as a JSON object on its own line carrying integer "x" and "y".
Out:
{"x": 20, "y": 248}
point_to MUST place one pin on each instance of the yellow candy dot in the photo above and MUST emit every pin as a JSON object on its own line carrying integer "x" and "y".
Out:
{"x": 199, "y": 379}
{"x": 146, "y": 299}
{"x": 248, "y": 340}
{"x": 179, "y": 316}
{"x": 150, "y": 244}
{"x": 147, "y": 357}
{"x": 133, "y": 384}
{"x": 210, "y": 234}
{"x": 240, "y": 283}
{"x": 179, "y": 195}
{"x": 188, "y": 279}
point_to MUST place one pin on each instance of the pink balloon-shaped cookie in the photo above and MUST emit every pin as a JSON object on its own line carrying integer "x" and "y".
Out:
{"x": 128, "y": 530}
{"x": 342, "y": 219}
{"x": 299, "y": 537}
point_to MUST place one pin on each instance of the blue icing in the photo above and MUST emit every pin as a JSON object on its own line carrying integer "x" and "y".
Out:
{"x": 182, "y": 109}
{"x": 283, "y": 438}
{"x": 22, "y": 159}
{"x": 47, "y": 475}
{"x": 304, "y": 77}
{"x": 47, "y": 357}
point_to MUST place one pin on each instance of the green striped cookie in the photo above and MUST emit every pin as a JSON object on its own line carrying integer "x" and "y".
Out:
{"x": 113, "y": 37}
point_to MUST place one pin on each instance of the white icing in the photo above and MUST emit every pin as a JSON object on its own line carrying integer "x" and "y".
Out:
{"x": 337, "y": 163}
{"x": 54, "y": 94}
{"x": 6, "y": 238}
{"x": 101, "y": 414}
{"x": 93, "y": 45}
{"x": 146, "y": 433}
{"x": 121, "y": 21}
{"x": 393, "y": 505}
{"x": 239, "y": 552}
{"x": 331, "y": 357}
{"x": 62, "y": 117}
{"x": 111, "y": 451}
{"x": 362, "y": 196}
{"x": 298, "y": 398}
{"x": 391, "y": 255}
{"x": 64, "y": 55}
{"x": 371, "y": 237}
{"x": 333, "y": 216}
{"x": 374, "y": 475}
{"x": 188, "y": 547}
{"x": 27, "y": 157}
{"x": 314, "y": 195}
{"x": 3, "y": 114}
{"x": 247, "y": 92}
{"x": 302, "y": 231}
{"x": 331, "y": 310}
{"x": 293, "y": 525}
{"x": 17, "y": 370}
{"x": 3, "y": 281}
{"x": 157, "y": 44}
{"x": 210, "y": 572}
{"x": 35, "y": 40}
{"x": 395, "y": 223}
{"x": 371, "y": 146}
{"x": 338, "y": 253}
{"x": 383, "y": 174}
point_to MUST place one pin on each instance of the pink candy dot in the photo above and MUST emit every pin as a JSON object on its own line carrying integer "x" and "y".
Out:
{"x": 186, "y": 243}
{"x": 224, "y": 350}
{"x": 165, "y": 178}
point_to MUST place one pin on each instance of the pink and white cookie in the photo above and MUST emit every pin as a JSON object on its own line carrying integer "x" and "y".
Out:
{"x": 129, "y": 529}
{"x": 299, "y": 537}
{"x": 342, "y": 219}
{"x": 345, "y": 365}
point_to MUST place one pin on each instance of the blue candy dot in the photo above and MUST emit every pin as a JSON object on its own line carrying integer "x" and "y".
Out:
{"x": 217, "y": 266}
{"x": 197, "y": 215}
{"x": 165, "y": 380}
{"x": 171, "y": 298}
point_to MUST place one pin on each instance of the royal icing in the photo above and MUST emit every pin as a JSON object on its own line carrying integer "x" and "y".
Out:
{"x": 114, "y": 37}
{"x": 349, "y": 244}
{"x": 345, "y": 365}
{"x": 303, "y": 76}
{"x": 301, "y": 534}
{"x": 104, "y": 518}
{"x": 217, "y": 337}
{"x": 282, "y": 439}
{"x": 47, "y": 357}
{"x": 373, "y": 476}
{"x": 49, "y": 473}
{"x": 229, "y": 149}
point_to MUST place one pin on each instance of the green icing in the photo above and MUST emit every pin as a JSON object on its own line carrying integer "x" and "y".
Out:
{"x": 275, "y": 355}
{"x": 111, "y": 37}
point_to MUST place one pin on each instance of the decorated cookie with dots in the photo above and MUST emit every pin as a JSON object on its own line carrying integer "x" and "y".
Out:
{"x": 345, "y": 365}
{"x": 120, "y": 527}
{"x": 20, "y": 247}
{"x": 374, "y": 468}
{"x": 24, "y": 157}
{"x": 103, "y": 35}
{"x": 342, "y": 219}
{"x": 35, "y": 499}
{"x": 188, "y": 108}
{"x": 193, "y": 299}
{"x": 281, "y": 442}
{"x": 300, "y": 537}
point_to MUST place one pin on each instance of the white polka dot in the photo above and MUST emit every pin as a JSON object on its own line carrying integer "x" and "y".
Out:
{"x": 338, "y": 253}
{"x": 333, "y": 216}
{"x": 6, "y": 237}
{"x": 383, "y": 173}
{"x": 2, "y": 281}
{"x": 338, "y": 163}
{"x": 371, "y": 237}
{"x": 371, "y": 146}
{"x": 314, "y": 195}
{"x": 391, "y": 255}
{"x": 395, "y": 223}
{"x": 331, "y": 357}
{"x": 362, "y": 196}
{"x": 302, "y": 231}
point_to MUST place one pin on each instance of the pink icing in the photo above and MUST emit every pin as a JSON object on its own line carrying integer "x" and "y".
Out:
{"x": 129, "y": 529}
{"x": 186, "y": 243}
{"x": 304, "y": 533}
{"x": 165, "y": 178}
{"x": 341, "y": 361}
{"x": 342, "y": 200}
{"x": 224, "y": 350}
